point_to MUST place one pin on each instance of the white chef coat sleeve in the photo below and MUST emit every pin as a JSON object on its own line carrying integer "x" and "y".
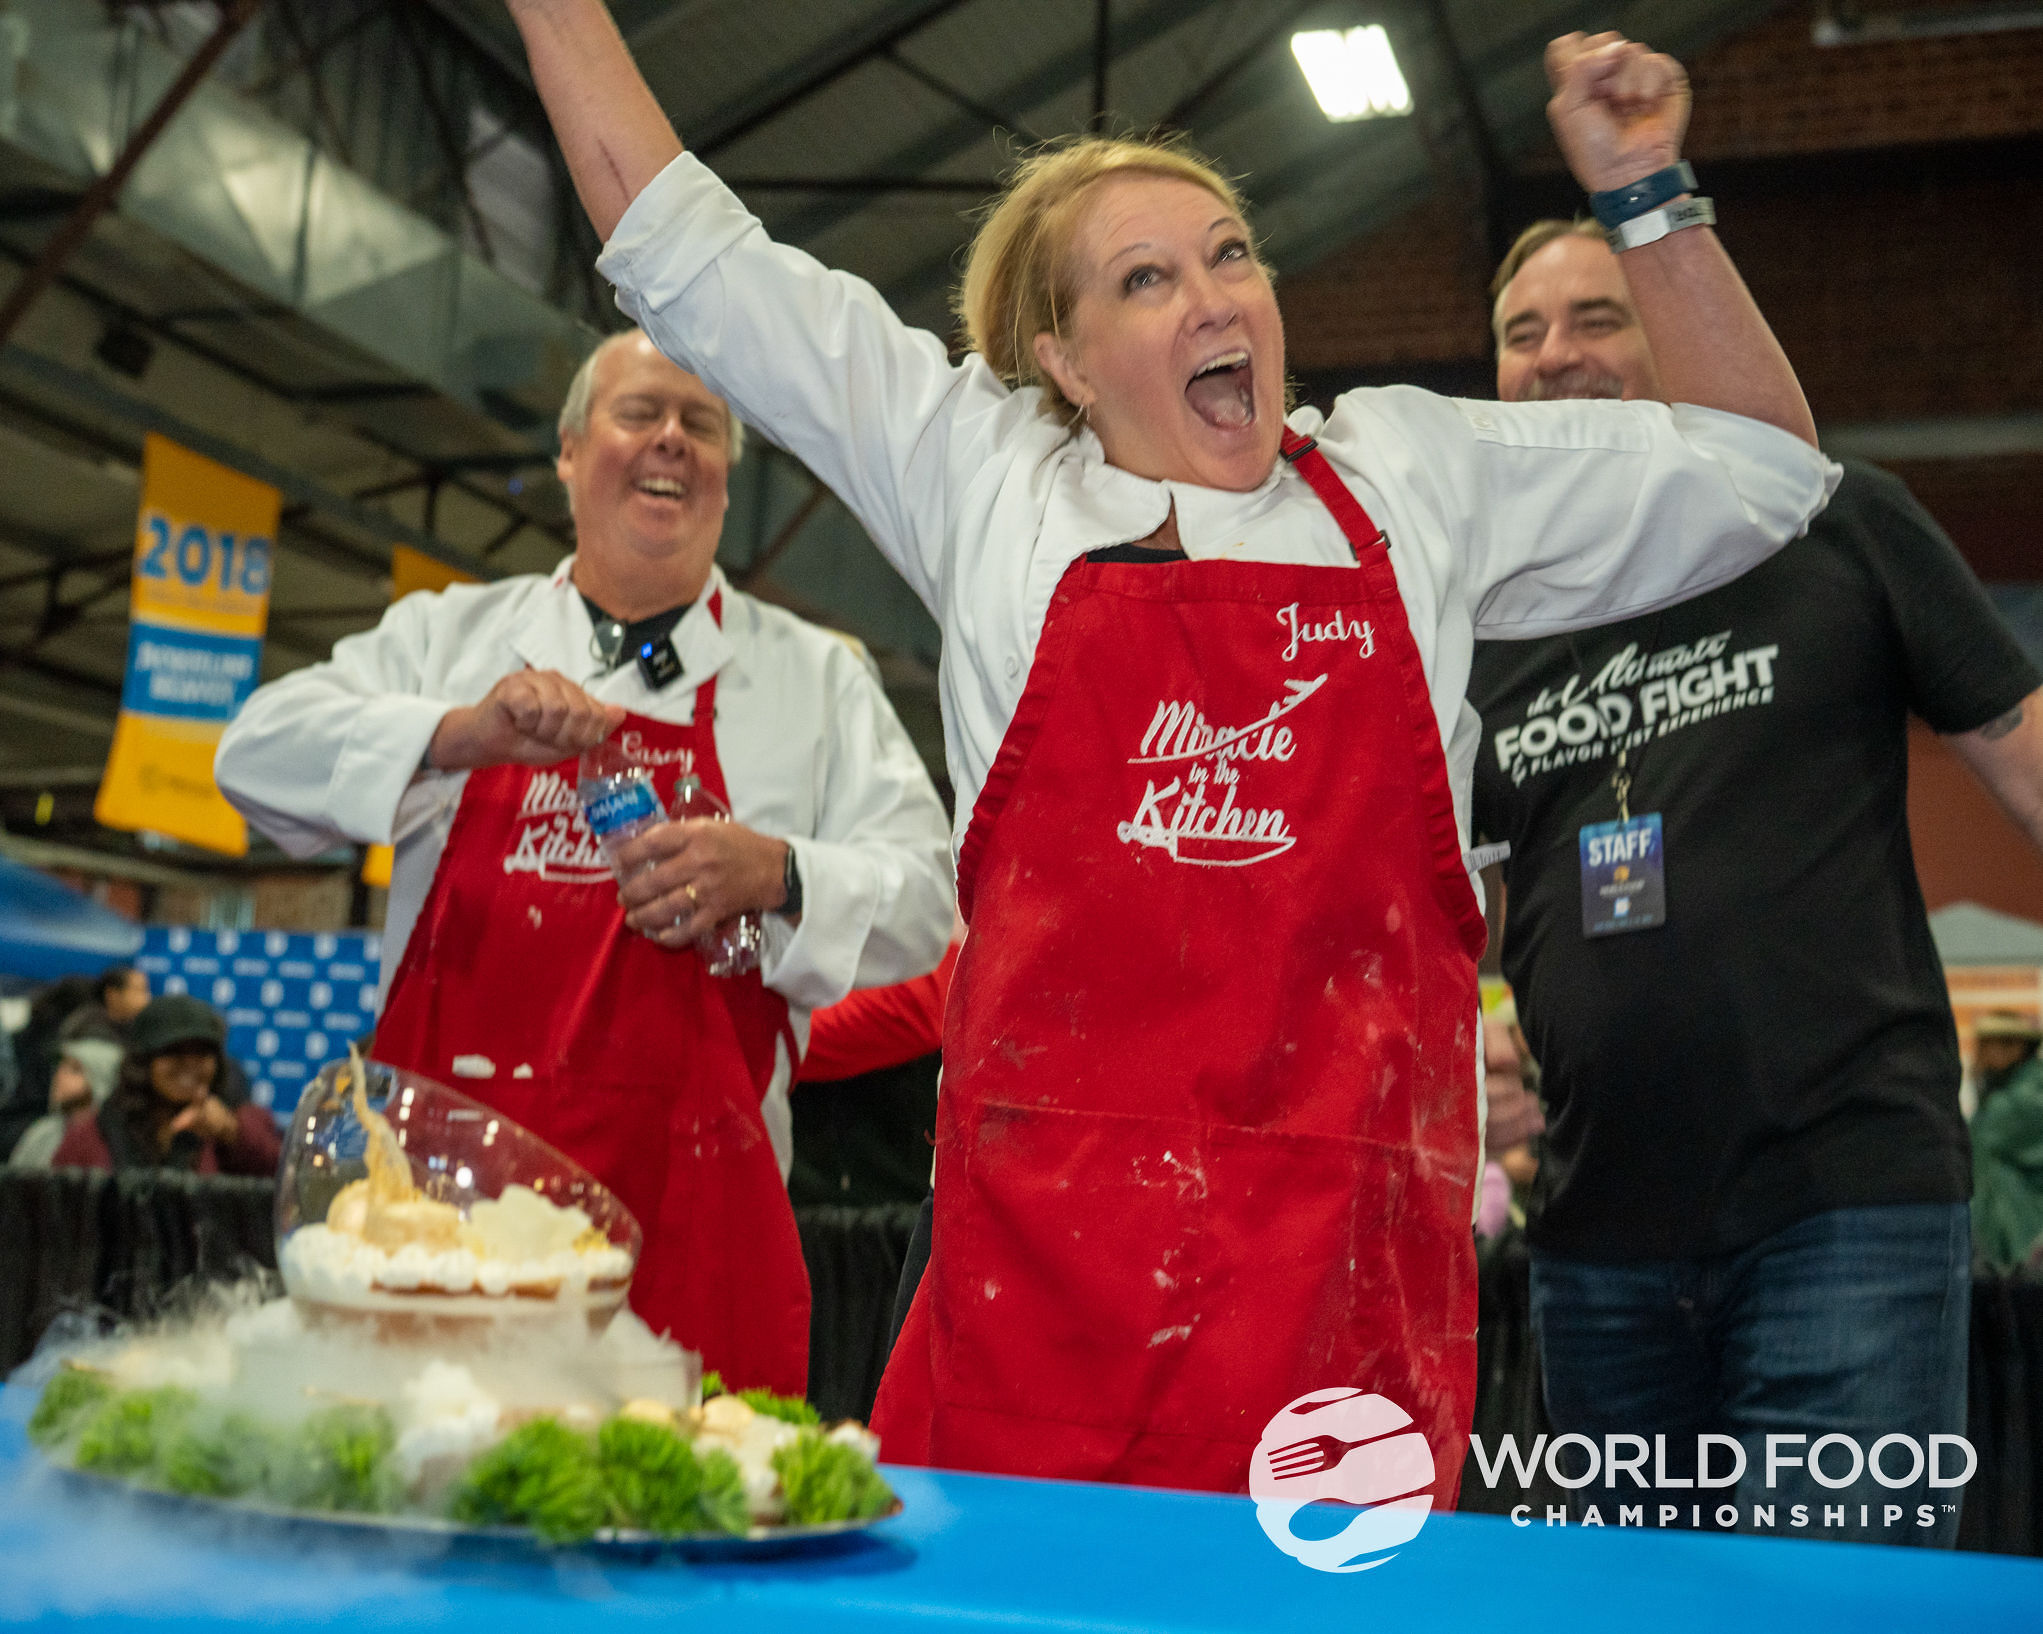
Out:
{"x": 816, "y": 359}
{"x": 877, "y": 889}
{"x": 328, "y": 754}
{"x": 1575, "y": 514}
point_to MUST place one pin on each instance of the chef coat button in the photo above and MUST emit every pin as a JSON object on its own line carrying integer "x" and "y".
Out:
{"x": 1013, "y": 666}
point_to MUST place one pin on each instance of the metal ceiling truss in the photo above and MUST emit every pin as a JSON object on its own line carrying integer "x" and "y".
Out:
{"x": 874, "y": 36}
{"x": 169, "y": 327}
{"x": 398, "y": 94}
{"x": 68, "y": 384}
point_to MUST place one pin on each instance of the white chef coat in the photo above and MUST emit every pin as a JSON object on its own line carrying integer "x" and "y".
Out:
{"x": 812, "y": 753}
{"x": 1505, "y": 520}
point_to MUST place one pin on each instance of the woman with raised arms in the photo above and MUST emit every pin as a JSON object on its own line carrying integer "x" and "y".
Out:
{"x": 1208, "y": 1134}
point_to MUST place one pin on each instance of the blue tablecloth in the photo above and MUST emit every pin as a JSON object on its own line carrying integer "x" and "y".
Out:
{"x": 973, "y": 1551}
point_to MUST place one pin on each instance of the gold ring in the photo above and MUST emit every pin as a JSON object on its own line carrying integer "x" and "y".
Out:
{"x": 694, "y": 900}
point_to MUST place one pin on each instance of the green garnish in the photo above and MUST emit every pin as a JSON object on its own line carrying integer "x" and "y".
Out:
{"x": 127, "y": 1433}
{"x": 70, "y": 1397}
{"x": 227, "y": 1458}
{"x": 723, "y": 1503}
{"x": 562, "y": 1483}
{"x": 542, "y": 1475}
{"x": 788, "y": 1409}
{"x": 652, "y": 1475}
{"x": 829, "y": 1481}
{"x": 339, "y": 1458}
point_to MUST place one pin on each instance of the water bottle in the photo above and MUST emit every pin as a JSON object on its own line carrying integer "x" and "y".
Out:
{"x": 732, "y": 948}
{"x": 618, "y": 798}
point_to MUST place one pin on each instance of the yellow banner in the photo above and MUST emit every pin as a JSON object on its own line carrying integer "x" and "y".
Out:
{"x": 409, "y": 570}
{"x": 200, "y": 602}
{"x": 414, "y": 570}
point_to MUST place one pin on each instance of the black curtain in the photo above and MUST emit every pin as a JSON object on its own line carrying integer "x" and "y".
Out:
{"x": 123, "y": 1243}
{"x": 854, "y": 1257}
{"x": 77, "y": 1239}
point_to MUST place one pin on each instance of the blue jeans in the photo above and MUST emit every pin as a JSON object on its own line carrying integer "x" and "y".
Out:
{"x": 1853, "y": 1323}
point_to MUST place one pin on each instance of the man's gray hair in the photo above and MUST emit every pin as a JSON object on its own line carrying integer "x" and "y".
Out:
{"x": 574, "y": 412}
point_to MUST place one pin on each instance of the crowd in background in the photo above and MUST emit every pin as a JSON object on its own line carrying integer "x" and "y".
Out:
{"x": 104, "y": 1076}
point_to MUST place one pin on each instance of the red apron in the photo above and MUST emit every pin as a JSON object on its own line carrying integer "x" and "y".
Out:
{"x": 644, "y": 1068}
{"x": 1207, "y": 1137}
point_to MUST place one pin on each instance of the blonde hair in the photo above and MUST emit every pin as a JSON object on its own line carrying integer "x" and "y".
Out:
{"x": 581, "y": 392}
{"x": 1018, "y": 283}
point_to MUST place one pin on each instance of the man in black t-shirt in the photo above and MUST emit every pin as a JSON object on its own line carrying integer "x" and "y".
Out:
{"x": 1749, "y": 1220}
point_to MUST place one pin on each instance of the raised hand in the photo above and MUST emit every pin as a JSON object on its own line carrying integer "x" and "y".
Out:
{"x": 532, "y": 717}
{"x": 1618, "y": 110}
{"x": 210, "y": 1118}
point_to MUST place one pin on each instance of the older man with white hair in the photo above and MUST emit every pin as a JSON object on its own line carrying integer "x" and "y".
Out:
{"x": 453, "y": 730}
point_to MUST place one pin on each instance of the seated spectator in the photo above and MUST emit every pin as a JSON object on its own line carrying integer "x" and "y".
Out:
{"x": 2007, "y": 1142}
{"x": 119, "y": 994}
{"x": 35, "y": 1048}
{"x": 87, "y": 1070}
{"x": 166, "y": 1111}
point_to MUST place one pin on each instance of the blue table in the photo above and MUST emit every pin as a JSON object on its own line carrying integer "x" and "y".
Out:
{"x": 973, "y": 1551}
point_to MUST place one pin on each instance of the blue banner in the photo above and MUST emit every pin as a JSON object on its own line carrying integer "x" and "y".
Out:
{"x": 189, "y": 675}
{"x": 293, "y": 1002}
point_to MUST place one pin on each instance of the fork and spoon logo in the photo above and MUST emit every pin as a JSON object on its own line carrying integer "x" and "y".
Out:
{"x": 1352, "y": 1448}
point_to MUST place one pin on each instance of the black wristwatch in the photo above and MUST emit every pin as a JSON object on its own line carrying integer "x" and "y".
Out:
{"x": 791, "y": 881}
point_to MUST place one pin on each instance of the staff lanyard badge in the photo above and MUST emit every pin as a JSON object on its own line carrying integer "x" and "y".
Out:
{"x": 1624, "y": 868}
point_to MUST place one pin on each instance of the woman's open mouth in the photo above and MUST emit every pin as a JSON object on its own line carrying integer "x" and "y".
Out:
{"x": 1223, "y": 392}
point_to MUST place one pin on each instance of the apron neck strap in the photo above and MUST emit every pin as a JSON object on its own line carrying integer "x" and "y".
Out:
{"x": 1304, "y": 457}
{"x": 705, "y": 695}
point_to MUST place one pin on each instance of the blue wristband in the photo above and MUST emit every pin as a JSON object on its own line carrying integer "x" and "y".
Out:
{"x": 1614, "y": 208}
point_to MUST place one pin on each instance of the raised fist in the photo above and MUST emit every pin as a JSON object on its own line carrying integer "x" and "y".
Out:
{"x": 532, "y": 717}
{"x": 1618, "y": 110}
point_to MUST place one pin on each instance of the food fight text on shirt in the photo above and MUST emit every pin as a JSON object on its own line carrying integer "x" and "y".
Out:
{"x": 1633, "y": 699}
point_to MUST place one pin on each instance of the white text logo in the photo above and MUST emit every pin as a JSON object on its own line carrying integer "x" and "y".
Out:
{"x": 1337, "y": 628}
{"x": 1183, "y": 815}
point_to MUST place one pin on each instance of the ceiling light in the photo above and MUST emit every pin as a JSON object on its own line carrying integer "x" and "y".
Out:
{"x": 1353, "y": 72}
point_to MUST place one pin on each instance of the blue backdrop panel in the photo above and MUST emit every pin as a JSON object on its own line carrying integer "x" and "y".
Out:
{"x": 292, "y": 1001}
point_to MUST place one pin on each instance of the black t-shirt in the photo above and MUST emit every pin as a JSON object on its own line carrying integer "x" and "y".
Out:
{"x": 1783, "y": 1044}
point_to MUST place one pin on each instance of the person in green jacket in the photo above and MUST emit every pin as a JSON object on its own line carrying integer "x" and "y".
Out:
{"x": 2007, "y": 1143}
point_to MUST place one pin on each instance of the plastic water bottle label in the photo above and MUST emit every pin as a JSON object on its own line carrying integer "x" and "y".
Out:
{"x": 619, "y": 808}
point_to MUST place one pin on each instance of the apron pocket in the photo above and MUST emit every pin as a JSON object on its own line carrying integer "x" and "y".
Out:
{"x": 1159, "y": 1274}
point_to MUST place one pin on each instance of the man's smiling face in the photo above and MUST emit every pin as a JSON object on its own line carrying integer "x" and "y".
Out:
{"x": 649, "y": 476}
{"x": 1566, "y": 328}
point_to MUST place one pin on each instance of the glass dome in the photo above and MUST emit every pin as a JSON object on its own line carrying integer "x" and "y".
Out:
{"x": 400, "y": 1196}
